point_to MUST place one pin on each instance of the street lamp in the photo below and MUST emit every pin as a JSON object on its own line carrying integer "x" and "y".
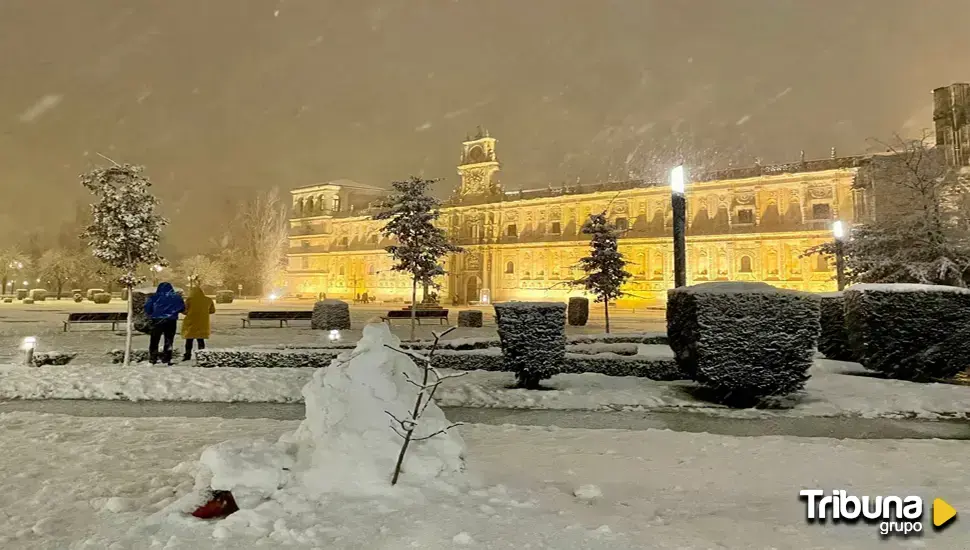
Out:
{"x": 838, "y": 231}
{"x": 679, "y": 204}
{"x": 28, "y": 346}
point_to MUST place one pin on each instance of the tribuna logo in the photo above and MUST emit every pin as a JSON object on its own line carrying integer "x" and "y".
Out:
{"x": 895, "y": 515}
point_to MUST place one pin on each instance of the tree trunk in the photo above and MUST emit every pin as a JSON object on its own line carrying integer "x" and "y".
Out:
{"x": 128, "y": 327}
{"x": 424, "y": 293}
{"x": 60, "y": 286}
{"x": 414, "y": 306}
{"x": 4, "y": 289}
{"x": 606, "y": 311}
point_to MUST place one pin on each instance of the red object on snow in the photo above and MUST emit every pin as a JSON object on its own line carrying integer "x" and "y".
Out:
{"x": 220, "y": 505}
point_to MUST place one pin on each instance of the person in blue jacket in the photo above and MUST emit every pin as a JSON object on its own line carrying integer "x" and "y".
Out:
{"x": 163, "y": 309}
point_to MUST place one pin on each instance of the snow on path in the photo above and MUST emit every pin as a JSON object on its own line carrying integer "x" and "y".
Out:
{"x": 830, "y": 392}
{"x": 83, "y": 483}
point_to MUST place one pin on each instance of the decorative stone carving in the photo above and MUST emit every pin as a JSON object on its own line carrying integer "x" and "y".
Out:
{"x": 820, "y": 192}
{"x": 746, "y": 197}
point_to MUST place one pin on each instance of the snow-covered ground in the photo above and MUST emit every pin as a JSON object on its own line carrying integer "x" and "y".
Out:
{"x": 830, "y": 391}
{"x": 73, "y": 483}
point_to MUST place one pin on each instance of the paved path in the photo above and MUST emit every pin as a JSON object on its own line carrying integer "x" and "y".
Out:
{"x": 842, "y": 428}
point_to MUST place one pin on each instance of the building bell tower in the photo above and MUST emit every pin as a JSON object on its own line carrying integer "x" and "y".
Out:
{"x": 479, "y": 167}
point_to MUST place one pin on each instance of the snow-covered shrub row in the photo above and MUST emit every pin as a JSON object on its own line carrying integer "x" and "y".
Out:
{"x": 658, "y": 338}
{"x": 224, "y": 296}
{"x": 139, "y": 320}
{"x": 137, "y": 356}
{"x": 53, "y": 358}
{"x": 744, "y": 341}
{"x": 248, "y": 358}
{"x": 591, "y": 349}
{"x": 8, "y": 300}
{"x": 478, "y": 359}
{"x": 833, "y": 340}
{"x": 610, "y": 364}
{"x": 102, "y": 298}
{"x": 533, "y": 337}
{"x": 21, "y": 293}
{"x": 470, "y": 318}
{"x": 578, "y": 311}
{"x": 330, "y": 315}
{"x": 38, "y": 294}
{"x": 910, "y": 332}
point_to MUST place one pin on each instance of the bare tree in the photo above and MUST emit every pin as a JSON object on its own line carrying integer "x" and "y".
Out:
{"x": 261, "y": 238}
{"x": 201, "y": 270}
{"x": 13, "y": 262}
{"x": 58, "y": 266}
{"x": 430, "y": 380}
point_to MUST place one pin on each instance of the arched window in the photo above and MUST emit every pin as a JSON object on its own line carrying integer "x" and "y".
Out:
{"x": 335, "y": 204}
{"x": 370, "y": 269}
{"x": 341, "y": 271}
{"x": 745, "y": 264}
{"x": 510, "y": 268}
{"x": 622, "y": 224}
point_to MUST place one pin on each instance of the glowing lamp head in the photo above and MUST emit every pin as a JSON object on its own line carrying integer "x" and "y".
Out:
{"x": 677, "y": 180}
{"x": 20, "y": 265}
{"x": 838, "y": 230}
{"x": 26, "y": 283}
{"x": 334, "y": 335}
{"x": 29, "y": 342}
{"x": 273, "y": 296}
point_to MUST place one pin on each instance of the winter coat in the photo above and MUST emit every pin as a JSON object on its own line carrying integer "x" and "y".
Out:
{"x": 165, "y": 303}
{"x": 198, "y": 307}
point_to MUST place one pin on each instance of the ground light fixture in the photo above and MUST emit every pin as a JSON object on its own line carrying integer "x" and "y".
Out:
{"x": 28, "y": 345}
{"x": 334, "y": 335}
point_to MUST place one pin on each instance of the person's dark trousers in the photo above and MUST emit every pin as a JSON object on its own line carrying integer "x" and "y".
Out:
{"x": 188, "y": 347}
{"x": 162, "y": 328}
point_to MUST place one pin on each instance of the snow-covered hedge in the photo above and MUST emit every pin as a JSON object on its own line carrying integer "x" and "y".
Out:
{"x": 21, "y": 293}
{"x": 53, "y": 358}
{"x": 610, "y": 364}
{"x": 470, "y": 318}
{"x": 330, "y": 315}
{"x": 533, "y": 337}
{"x": 833, "y": 340}
{"x": 28, "y": 300}
{"x": 137, "y": 356}
{"x": 910, "y": 332}
{"x": 139, "y": 320}
{"x": 224, "y": 296}
{"x": 38, "y": 294}
{"x": 8, "y": 300}
{"x": 745, "y": 341}
{"x": 102, "y": 298}
{"x": 658, "y": 338}
{"x": 267, "y": 358}
{"x": 91, "y": 292}
{"x": 578, "y": 311}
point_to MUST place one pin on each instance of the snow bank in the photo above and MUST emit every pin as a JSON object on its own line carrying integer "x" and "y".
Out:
{"x": 346, "y": 445}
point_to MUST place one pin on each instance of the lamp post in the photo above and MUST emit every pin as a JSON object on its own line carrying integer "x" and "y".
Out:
{"x": 679, "y": 204}
{"x": 838, "y": 231}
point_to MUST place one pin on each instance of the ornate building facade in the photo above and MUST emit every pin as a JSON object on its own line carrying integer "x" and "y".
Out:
{"x": 749, "y": 224}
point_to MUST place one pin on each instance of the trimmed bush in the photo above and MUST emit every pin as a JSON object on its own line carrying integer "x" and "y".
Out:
{"x": 533, "y": 338}
{"x": 38, "y": 294}
{"x": 21, "y": 293}
{"x": 909, "y": 332}
{"x": 250, "y": 358}
{"x": 137, "y": 356}
{"x": 833, "y": 340}
{"x": 330, "y": 315}
{"x": 102, "y": 298}
{"x": 8, "y": 300}
{"x": 655, "y": 338}
{"x": 78, "y": 298}
{"x": 91, "y": 292}
{"x": 139, "y": 320}
{"x": 744, "y": 341}
{"x": 578, "y": 313}
{"x": 52, "y": 358}
{"x": 470, "y": 318}
{"x": 224, "y": 296}
{"x": 28, "y": 300}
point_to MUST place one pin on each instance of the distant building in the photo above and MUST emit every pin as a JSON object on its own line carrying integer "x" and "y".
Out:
{"x": 951, "y": 116}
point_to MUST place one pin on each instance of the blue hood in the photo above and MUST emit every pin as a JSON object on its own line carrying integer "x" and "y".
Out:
{"x": 165, "y": 303}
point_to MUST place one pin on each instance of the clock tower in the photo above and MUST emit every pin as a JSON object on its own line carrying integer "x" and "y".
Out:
{"x": 479, "y": 166}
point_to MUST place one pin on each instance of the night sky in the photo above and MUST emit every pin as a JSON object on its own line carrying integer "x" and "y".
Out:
{"x": 219, "y": 98}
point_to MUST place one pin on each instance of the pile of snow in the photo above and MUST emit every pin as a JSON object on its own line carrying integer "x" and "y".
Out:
{"x": 346, "y": 444}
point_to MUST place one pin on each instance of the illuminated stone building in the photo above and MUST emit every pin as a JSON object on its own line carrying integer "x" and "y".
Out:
{"x": 750, "y": 224}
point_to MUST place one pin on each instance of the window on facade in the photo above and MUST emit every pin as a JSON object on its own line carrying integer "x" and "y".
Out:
{"x": 304, "y": 263}
{"x": 745, "y": 264}
{"x": 341, "y": 270}
{"x": 622, "y": 224}
{"x": 745, "y": 215}
{"x": 335, "y": 204}
{"x": 510, "y": 268}
{"x": 370, "y": 269}
{"x": 511, "y": 231}
{"x": 821, "y": 263}
{"x": 821, "y": 212}
{"x": 305, "y": 244}
{"x": 555, "y": 228}
{"x": 373, "y": 238}
{"x": 343, "y": 241}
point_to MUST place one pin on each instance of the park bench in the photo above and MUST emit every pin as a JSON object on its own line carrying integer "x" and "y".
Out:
{"x": 282, "y": 316}
{"x": 440, "y": 314}
{"x": 103, "y": 317}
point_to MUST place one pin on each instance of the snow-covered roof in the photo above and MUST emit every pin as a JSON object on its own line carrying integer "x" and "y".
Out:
{"x": 340, "y": 183}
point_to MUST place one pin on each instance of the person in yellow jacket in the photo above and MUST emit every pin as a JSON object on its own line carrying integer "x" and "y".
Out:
{"x": 195, "y": 326}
